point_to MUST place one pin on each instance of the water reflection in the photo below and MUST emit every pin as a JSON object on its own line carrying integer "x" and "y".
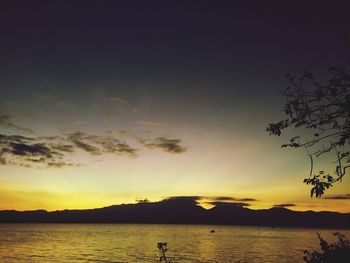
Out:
{"x": 137, "y": 243}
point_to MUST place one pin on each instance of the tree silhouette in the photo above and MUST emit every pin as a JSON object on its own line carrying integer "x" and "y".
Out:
{"x": 337, "y": 252}
{"x": 322, "y": 113}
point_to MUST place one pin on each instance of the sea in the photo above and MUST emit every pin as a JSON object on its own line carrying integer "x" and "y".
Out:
{"x": 138, "y": 243}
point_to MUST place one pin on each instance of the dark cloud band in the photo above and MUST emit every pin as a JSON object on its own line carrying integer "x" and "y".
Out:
{"x": 237, "y": 204}
{"x": 52, "y": 151}
{"x": 165, "y": 144}
{"x": 28, "y": 151}
{"x": 213, "y": 200}
{"x": 283, "y": 205}
{"x": 338, "y": 197}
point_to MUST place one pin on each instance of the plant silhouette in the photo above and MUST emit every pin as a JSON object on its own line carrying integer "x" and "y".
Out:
{"x": 322, "y": 112}
{"x": 338, "y": 252}
{"x": 163, "y": 248}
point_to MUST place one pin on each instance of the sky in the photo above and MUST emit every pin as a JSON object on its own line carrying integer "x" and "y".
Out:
{"x": 109, "y": 102}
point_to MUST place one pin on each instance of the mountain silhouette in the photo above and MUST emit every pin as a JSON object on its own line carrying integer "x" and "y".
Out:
{"x": 182, "y": 211}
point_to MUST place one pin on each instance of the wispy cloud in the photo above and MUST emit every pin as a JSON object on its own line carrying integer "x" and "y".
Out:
{"x": 116, "y": 99}
{"x": 6, "y": 122}
{"x": 52, "y": 99}
{"x": 98, "y": 144}
{"x": 283, "y": 205}
{"x": 45, "y": 97}
{"x": 165, "y": 144}
{"x": 338, "y": 197}
{"x": 133, "y": 108}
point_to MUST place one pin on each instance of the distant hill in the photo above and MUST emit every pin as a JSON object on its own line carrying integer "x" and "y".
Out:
{"x": 183, "y": 212}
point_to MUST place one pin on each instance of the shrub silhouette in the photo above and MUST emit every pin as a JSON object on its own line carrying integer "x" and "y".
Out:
{"x": 338, "y": 252}
{"x": 163, "y": 248}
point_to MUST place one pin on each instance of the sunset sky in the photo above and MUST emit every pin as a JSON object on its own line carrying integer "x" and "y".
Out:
{"x": 109, "y": 102}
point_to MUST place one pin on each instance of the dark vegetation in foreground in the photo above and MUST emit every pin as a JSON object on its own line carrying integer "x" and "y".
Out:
{"x": 163, "y": 248}
{"x": 183, "y": 211}
{"x": 337, "y": 252}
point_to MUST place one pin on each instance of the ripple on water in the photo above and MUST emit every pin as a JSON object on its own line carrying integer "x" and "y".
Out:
{"x": 137, "y": 243}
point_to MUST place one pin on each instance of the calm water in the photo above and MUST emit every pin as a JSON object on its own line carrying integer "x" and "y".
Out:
{"x": 137, "y": 243}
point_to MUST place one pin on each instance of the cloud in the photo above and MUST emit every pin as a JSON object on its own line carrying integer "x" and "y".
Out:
{"x": 16, "y": 149}
{"x": 62, "y": 147}
{"x": 283, "y": 205}
{"x": 61, "y": 164}
{"x": 46, "y": 97}
{"x": 184, "y": 197}
{"x": 6, "y": 122}
{"x": 193, "y": 200}
{"x": 142, "y": 200}
{"x": 87, "y": 147}
{"x": 167, "y": 145}
{"x": 116, "y": 99}
{"x": 212, "y": 200}
{"x": 338, "y": 197}
{"x": 134, "y": 109}
{"x": 52, "y": 151}
{"x": 28, "y": 151}
{"x": 79, "y": 141}
{"x": 237, "y": 204}
{"x": 36, "y": 149}
{"x": 99, "y": 144}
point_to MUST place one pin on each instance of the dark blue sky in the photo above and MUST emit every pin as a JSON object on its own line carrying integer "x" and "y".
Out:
{"x": 197, "y": 54}
{"x": 181, "y": 42}
{"x": 206, "y": 75}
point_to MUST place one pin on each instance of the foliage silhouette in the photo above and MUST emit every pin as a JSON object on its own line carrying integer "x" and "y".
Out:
{"x": 163, "y": 248}
{"x": 338, "y": 252}
{"x": 322, "y": 111}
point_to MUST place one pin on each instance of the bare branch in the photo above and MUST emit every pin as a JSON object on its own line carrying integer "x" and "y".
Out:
{"x": 323, "y": 110}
